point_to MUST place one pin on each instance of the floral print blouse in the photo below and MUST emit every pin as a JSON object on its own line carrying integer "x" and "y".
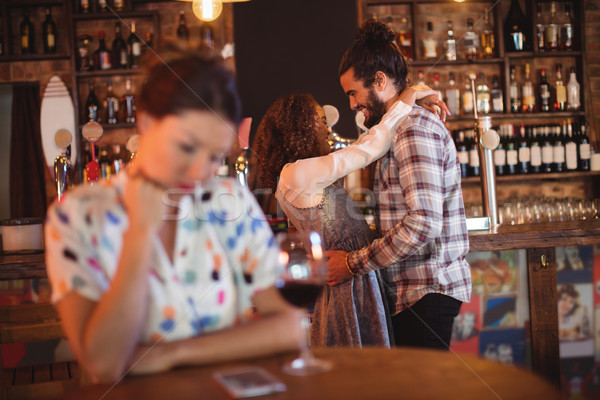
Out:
{"x": 224, "y": 253}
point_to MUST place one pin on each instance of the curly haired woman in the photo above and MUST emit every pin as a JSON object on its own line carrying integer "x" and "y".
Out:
{"x": 292, "y": 144}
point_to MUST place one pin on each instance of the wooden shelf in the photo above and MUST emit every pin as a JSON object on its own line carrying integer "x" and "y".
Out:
{"x": 35, "y": 57}
{"x": 33, "y": 3}
{"x": 534, "y": 177}
{"x": 106, "y": 72}
{"x": 119, "y": 125}
{"x": 478, "y": 61}
{"x": 547, "y": 54}
{"x": 521, "y": 116}
{"x": 114, "y": 15}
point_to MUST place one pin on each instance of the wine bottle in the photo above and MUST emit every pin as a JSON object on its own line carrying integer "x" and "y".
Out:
{"x": 453, "y": 95}
{"x": 49, "y": 33}
{"x": 117, "y": 159}
{"x": 584, "y": 150}
{"x": 27, "y": 35}
{"x": 539, "y": 28}
{"x": 135, "y": 48}
{"x": 567, "y": 33}
{"x": 84, "y": 7}
{"x": 528, "y": 92}
{"x": 450, "y": 43}
{"x": 544, "y": 91}
{"x": 488, "y": 40}
{"x": 560, "y": 102}
{"x": 111, "y": 105}
{"x": 559, "y": 150}
{"x": 463, "y": 154}
{"x": 515, "y": 101}
{"x": 470, "y": 41}
{"x": 92, "y": 105}
{"x": 483, "y": 96}
{"x": 102, "y": 5}
{"x": 524, "y": 152}
{"x": 573, "y": 102}
{"x": 571, "y": 148}
{"x": 436, "y": 85}
{"x": 500, "y": 155}
{"x": 102, "y": 56}
{"x": 515, "y": 28}
{"x": 467, "y": 97}
{"x": 547, "y": 151}
{"x": 104, "y": 162}
{"x": 497, "y": 99}
{"x": 128, "y": 103}
{"x": 429, "y": 43}
{"x": 182, "y": 29}
{"x": 512, "y": 153}
{"x": 119, "y": 49}
{"x": 473, "y": 154}
{"x": 404, "y": 40}
{"x": 119, "y": 5}
{"x": 536, "y": 150}
{"x": 551, "y": 29}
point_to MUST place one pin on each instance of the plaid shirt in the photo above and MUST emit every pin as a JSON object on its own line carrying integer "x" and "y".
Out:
{"x": 420, "y": 215}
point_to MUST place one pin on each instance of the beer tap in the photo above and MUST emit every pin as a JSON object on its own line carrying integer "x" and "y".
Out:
{"x": 62, "y": 163}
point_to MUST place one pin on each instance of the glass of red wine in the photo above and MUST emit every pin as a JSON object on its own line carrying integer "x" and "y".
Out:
{"x": 301, "y": 281}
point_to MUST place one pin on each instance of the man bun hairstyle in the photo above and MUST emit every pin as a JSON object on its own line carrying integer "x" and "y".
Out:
{"x": 373, "y": 49}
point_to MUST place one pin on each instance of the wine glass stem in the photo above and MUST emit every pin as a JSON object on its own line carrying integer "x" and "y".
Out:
{"x": 305, "y": 352}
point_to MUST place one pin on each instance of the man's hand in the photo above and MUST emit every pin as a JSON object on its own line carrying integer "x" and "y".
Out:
{"x": 338, "y": 271}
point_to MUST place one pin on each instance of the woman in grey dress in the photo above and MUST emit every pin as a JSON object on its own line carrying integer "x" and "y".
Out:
{"x": 292, "y": 145}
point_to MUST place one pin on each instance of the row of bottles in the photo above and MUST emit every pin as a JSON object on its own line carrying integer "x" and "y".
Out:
{"x": 110, "y": 158}
{"x": 87, "y": 6}
{"x": 525, "y": 97}
{"x": 554, "y": 29}
{"x": 529, "y": 149}
{"x": 113, "y": 109}
{"x": 27, "y": 34}
{"x": 122, "y": 54}
{"x": 206, "y": 32}
{"x": 471, "y": 45}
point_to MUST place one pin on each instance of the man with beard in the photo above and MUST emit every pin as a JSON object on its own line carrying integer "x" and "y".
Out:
{"x": 420, "y": 211}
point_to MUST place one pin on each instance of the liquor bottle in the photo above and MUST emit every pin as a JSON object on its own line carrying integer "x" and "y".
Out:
{"x": 547, "y": 151}
{"x": 497, "y": 99}
{"x": 453, "y": 95}
{"x": 102, "y": 56}
{"x": 102, "y": 5}
{"x": 470, "y": 41}
{"x": 488, "y": 40}
{"x": 467, "y": 97}
{"x": 544, "y": 92}
{"x": 571, "y": 148}
{"x": 584, "y": 150}
{"x": 182, "y": 29}
{"x": 473, "y": 154}
{"x": 92, "y": 105}
{"x": 539, "y": 28}
{"x": 536, "y": 150}
{"x": 84, "y": 7}
{"x": 207, "y": 36}
{"x": 573, "y": 102}
{"x": 528, "y": 92}
{"x": 450, "y": 43}
{"x": 404, "y": 40}
{"x": 27, "y": 35}
{"x": 512, "y": 154}
{"x": 515, "y": 28}
{"x": 119, "y": 49}
{"x": 49, "y": 33}
{"x": 500, "y": 156}
{"x": 119, "y": 5}
{"x": 117, "y": 160}
{"x": 241, "y": 166}
{"x": 558, "y": 150}
{"x": 149, "y": 42}
{"x": 515, "y": 101}
{"x": 567, "y": 34}
{"x": 111, "y": 105}
{"x": 436, "y": 85}
{"x": 420, "y": 77}
{"x": 430, "y": 43}
{"x": 524, "y": 150}
{"x": 551, "y": 29}
{"x": 483, "y": 96}
{"x": 104, "y": 162}
{"x": 560, "y": 101}
{"x": 128, "y": 104}
{"x": 463, "y": 154}
{"x": 135, "y": 48}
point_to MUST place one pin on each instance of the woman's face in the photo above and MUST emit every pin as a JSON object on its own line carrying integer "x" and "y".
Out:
{"x": 322, "y": 132}
{"x": 565, "y": 304}
{"x": 178, "y": 151}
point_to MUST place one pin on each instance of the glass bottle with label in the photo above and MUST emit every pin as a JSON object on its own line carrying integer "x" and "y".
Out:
{"x": 567, "y": 33}
{"x": 128, "y": 103}
{"x": 49, "y": 33}
{"x": 453, "y": 95}
{"x": 497, "y": 99}
{"x": 524, "y": 150}
{"x": 528, "y": 92}
{"x": 584, "y": 149}
{"x": 92, "y": 105}
{"x": 84, "y": 7}
{"x": 27, "y": 35}
{"x": 85, "y": 61}
{"x": 512, "y": 152}
{"x": 404, "y": 40}
{"x": 536, "y": 150}
{"x": 450, "y": 43}
{"x": 470, "y": 41}
{"x": 430, "y": 43}
{"x": 182, "y": 29}
{"x": 463, "y": 154}
{"x": 515, "y": 28}
{"x": 515, "y": 100}
{"x": 544, "y": 92}
{"x": 436, "y": 85}
{"x": 102, "y": 56}
{"x": 551, "y": 29}
{"x": 571, "y": 148}
{"x": 558, "y": 150}
{"x": 111, "y": 105}
{"x": 483, "y": 96}
{"x": 102, "y": 5}
{"x": 119, "y": 5}
{"x": 560, "y": 101}
{"x": 135, "y": 48}
{"x": 488, "y": 40}
{"x": 547, "y": 150}
{"x": 539, "y": 28}
{"x": 500, "y": 155}
{"x": 467, "y": 97}
{"x": 573, "y": 94}
{"x": 119, "y": 49}
{"x": 473, "y": 154}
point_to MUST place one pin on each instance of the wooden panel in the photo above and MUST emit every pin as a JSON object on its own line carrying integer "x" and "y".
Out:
{"x": 59, "y": 371}
{"x": 27, "y": 266}
{"x": 31, "y": 332}
{"x": 41, "y": 373}
{"x": 23, "y": 376}
{"x": 544, "y": 314}
{"x": 28, "y": 313}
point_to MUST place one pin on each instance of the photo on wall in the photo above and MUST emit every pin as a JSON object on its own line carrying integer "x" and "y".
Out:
{"x": 466, "y": 328}
{"x": 500, "y": 312}
{"x": 574, "y": 264}
{"x": 575, "y": 320}
{"x": 493, "y": 272}
{"x": 506, "y": 346}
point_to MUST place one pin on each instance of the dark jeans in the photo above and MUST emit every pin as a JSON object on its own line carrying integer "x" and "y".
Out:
{"x": 427, "y": 323}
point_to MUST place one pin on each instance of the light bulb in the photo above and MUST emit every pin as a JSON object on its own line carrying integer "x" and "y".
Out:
{"x": 207, "y": 10}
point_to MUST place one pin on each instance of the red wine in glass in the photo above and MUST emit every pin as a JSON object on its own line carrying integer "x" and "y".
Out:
{"x": 302, "y": 294}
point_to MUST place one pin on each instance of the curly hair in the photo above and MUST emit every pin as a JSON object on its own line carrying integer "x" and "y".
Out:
{"x": 372, "y": 50}
{"x": 285, "y": 134}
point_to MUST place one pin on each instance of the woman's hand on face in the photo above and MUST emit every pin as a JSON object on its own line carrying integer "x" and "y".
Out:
{"x": 143, "y": 200}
